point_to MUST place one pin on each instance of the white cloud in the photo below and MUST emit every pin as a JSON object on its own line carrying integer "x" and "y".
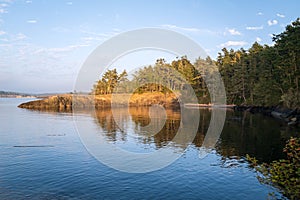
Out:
{"x": 258, "y": 39}
{"x": 32, "y": 21}
{"x": 5, "y": 45}
{"x": 7, "y": 1}
{"x": 20, "y": 36}
{"x": 93, "y": 36}
{"x": 181, "y": 28}
{"x": 66, "y": 48}
{"x": 254, "y": 28}
{"x": 272, "y": 22}
{"x": 13, "y": 38}
{"x": 96, "y": 34}
{"x": 259, "y": 13}
{"x": 2, "y": 10}
{"x": 19, "y": 54}
{"x": 233, "y": 32}
{"x": 56, "y": 52}
{"x": 116, "y": 30}
{"x": 69, "y": 3}
{"x": 280, "y": 15}
{"x": 30, "y": 60}
{"x": 3, "y": 7}
{"x": 4, "y": 40}
{"x": 60, "y": 29}
{"x": 28, "y": 1}
{"x": 188, "y": 29}
{"x": 233, "y": 43}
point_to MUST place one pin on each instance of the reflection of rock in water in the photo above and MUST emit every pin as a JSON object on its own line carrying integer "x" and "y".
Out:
{"x": 256, "y": 135}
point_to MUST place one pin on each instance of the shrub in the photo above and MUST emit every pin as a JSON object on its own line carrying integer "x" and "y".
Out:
{"x": 284, "y": 173}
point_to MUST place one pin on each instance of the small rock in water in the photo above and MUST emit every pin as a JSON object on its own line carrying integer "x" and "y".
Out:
{"x": 294, "y": 119}
{"x": 53, "y": 135}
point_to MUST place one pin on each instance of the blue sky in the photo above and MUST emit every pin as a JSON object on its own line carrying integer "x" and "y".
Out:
{"x": 43, "y": 43}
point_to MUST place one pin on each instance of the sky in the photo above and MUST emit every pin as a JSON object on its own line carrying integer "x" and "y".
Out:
{"x": 44, "y": 43}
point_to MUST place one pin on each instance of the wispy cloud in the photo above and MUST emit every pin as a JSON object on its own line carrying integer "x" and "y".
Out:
{"x": 32, "y": 21}
{"x": 272, "y": 22}
{"x": 12, "y": 39}
{"x": 68, "y": 48}
{"x": 4, "y": 4}
{"x": 60, "y": 29}
{"x": 93, "y": 36}
{"x": 258, "y": 39}
{"x": 259, "y": 13}
{"x": 280, "y": 15}
{"x": 32, "y": 60}
{"x": 254, "y": 28}
{"x": 20, "y": 36}
{"x": 69, "y": 3}
{"x": 188, "y": 29}
{"x": 233, "y": 32}
{"x": 96, "y": 34}
{"x": 3, "y": 8}
{"x": 116, "y": 30}
{"x": 7, "y": 1}
{"x": 271, "y": 35}
{"x": 233, "y": 43}
{"x": 28, "y": 1}
{"x": 181, "y": 28}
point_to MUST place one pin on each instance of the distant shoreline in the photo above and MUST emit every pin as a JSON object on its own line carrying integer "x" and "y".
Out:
{"x": 16, "y": 96}
{"x": 10, "y": 94}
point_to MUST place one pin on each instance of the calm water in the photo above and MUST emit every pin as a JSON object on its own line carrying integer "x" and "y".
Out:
{"x": 42, "y": 157}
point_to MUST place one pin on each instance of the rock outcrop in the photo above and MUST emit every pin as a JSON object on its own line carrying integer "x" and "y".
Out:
{"x": 68, "y": 102}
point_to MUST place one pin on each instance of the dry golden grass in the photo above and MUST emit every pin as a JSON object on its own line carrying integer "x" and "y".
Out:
{"x": 66, "y": 101}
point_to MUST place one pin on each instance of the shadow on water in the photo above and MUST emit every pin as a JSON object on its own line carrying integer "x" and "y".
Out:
{"x": 243, "y": 133}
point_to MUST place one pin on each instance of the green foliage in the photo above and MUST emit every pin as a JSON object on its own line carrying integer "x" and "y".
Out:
{"x": 291, "y": 99}
{"x": 161, "y": 77}
{"x": 262, "y": 75}
{"x": 283, "y": 173}
{"x": 109, "y": 81}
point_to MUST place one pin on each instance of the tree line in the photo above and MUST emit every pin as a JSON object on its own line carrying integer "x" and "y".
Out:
{"x": 262, "y": 75}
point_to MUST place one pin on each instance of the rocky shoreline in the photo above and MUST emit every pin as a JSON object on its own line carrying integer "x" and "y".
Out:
{"x": 289, "y": 116}
{"x": 68, "y": 102}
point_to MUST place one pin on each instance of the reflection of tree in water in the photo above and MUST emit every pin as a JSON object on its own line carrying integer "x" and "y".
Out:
{"x": 139, "y": 116}
{"x": 243, "y": 133}
{"x": 205, "y": 116}
{"x": 106, "y": 121}
{"x": 167, "y": 133}
{"x": 253, "y": 134}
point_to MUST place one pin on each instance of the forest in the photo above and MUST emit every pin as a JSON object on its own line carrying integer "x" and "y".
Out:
{"x": 262, "y": 75}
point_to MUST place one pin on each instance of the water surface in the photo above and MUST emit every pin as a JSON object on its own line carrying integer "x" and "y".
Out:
{"x": 42, "y": 157}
